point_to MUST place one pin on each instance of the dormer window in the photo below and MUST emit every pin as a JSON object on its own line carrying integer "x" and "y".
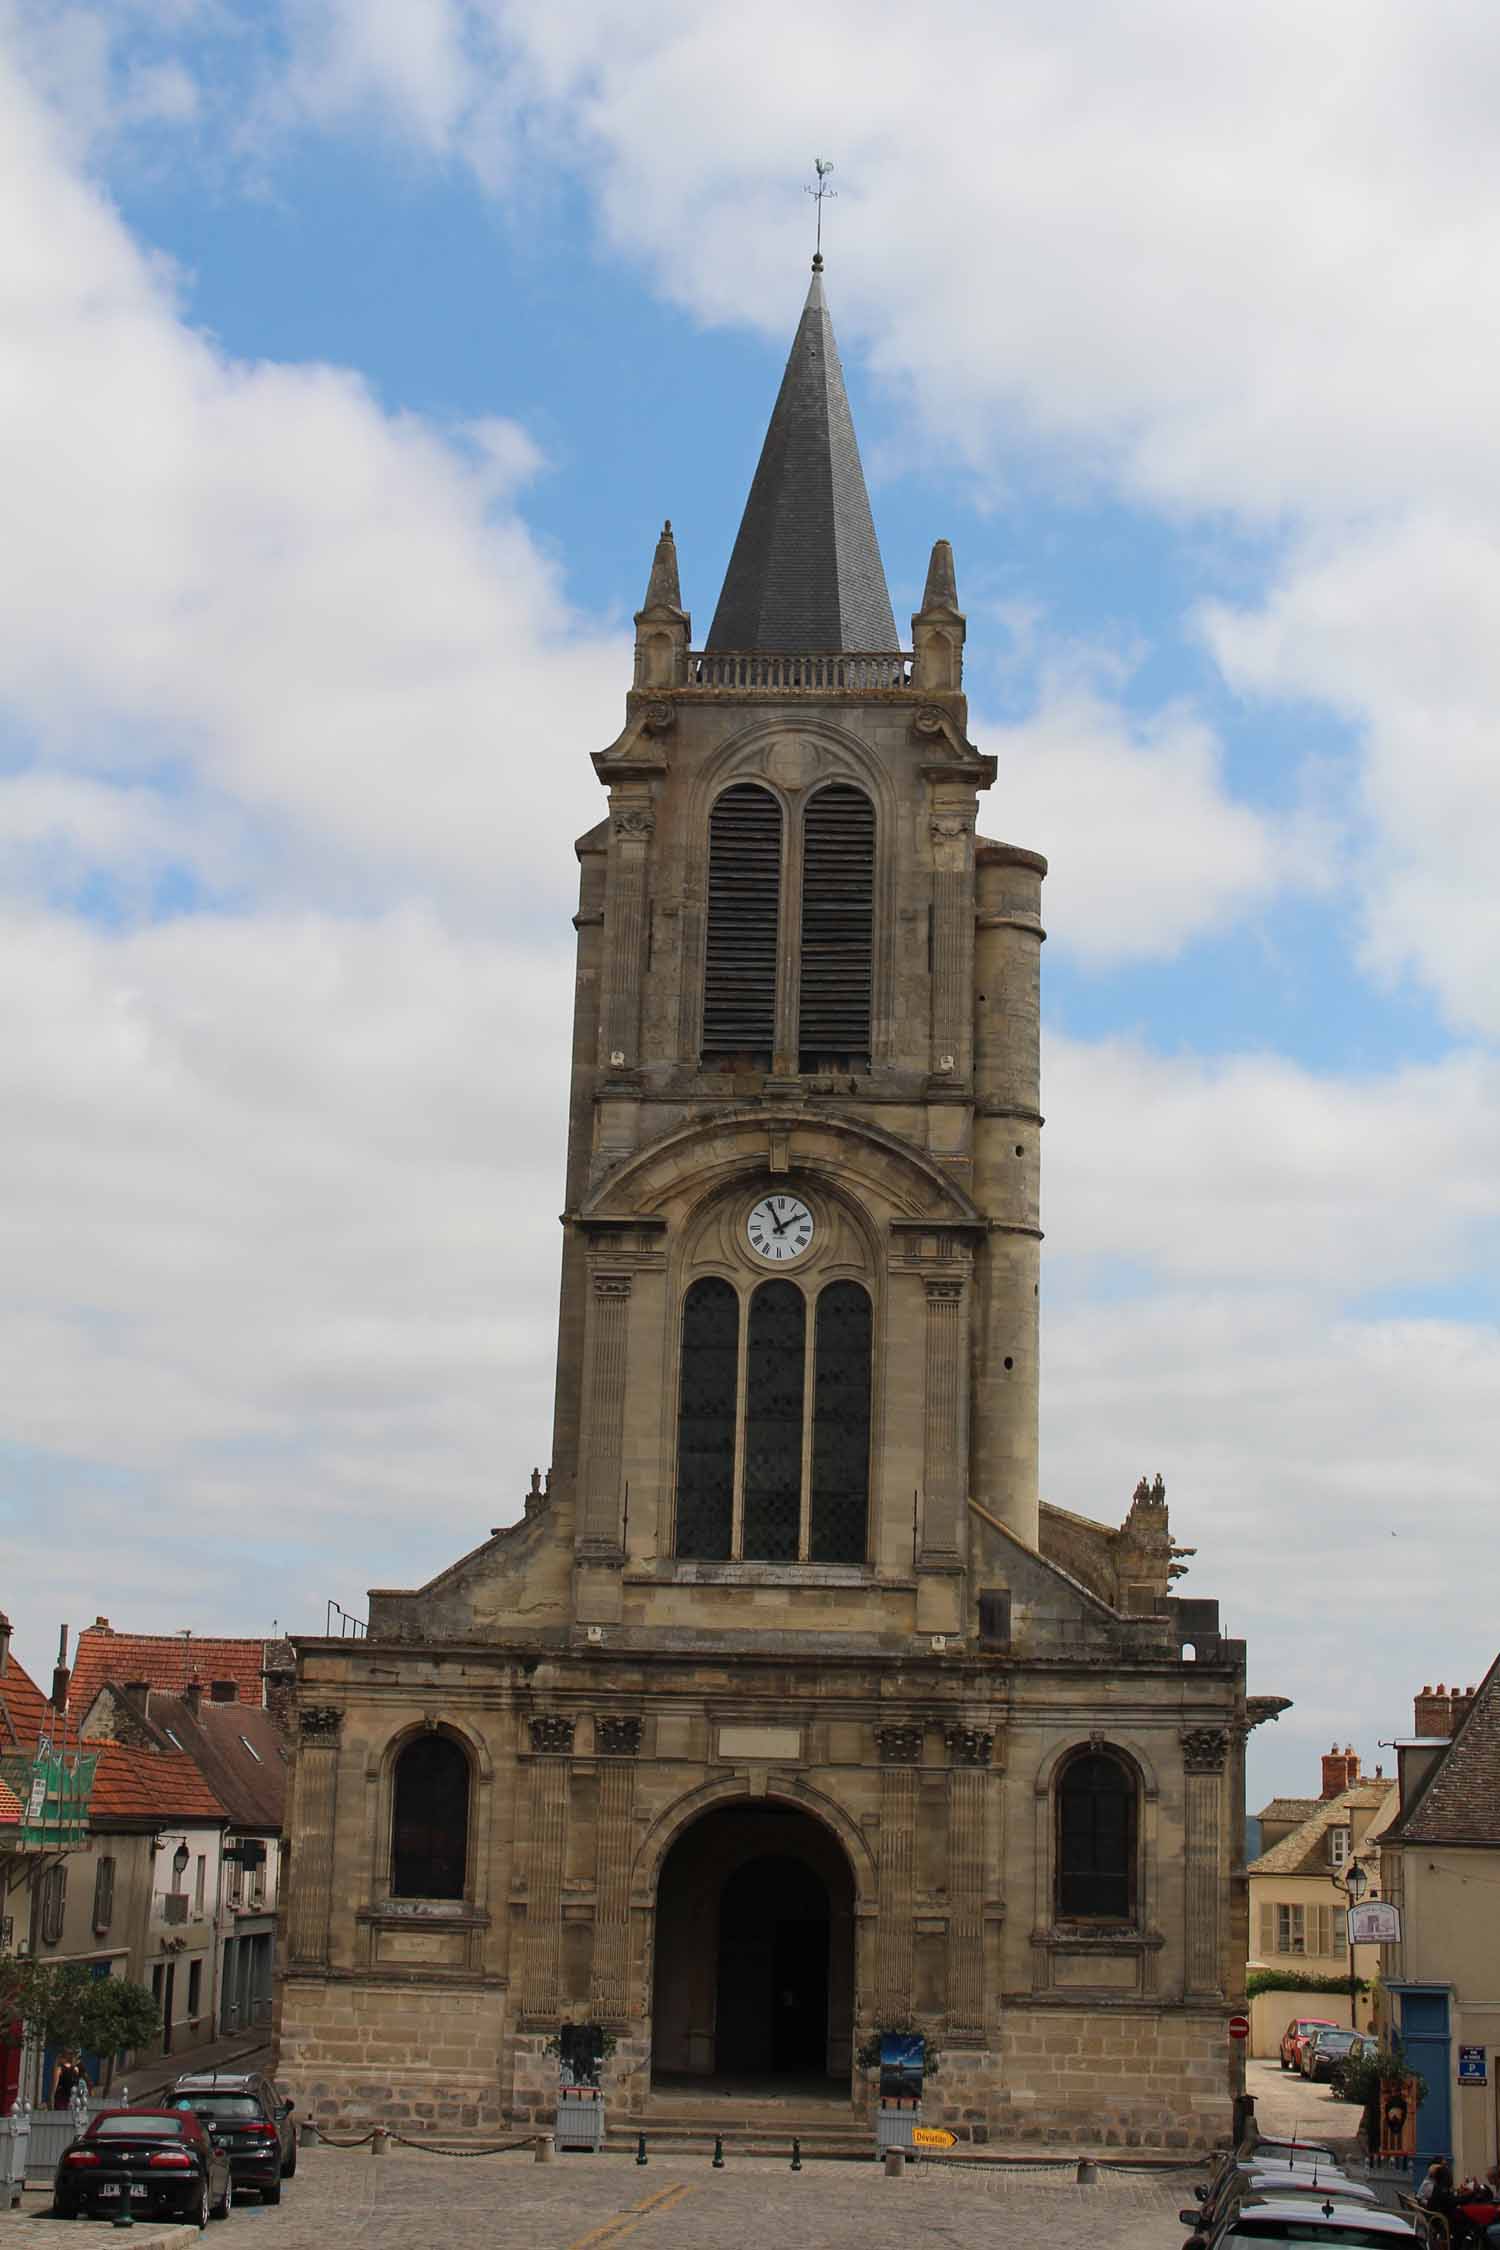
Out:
{"x": 1338, "y": 1846}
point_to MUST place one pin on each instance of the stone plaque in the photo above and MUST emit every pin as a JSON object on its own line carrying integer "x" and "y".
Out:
{"x": 1115, "y": 1972}
{"x": 760, "y": 1742}
{"x": 439, "y": 1946}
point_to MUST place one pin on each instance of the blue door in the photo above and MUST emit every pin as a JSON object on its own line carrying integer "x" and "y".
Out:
{"x": 1425, "y": 2043}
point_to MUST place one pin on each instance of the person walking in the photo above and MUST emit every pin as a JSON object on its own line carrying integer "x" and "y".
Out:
{"x": 67, "y": 2078}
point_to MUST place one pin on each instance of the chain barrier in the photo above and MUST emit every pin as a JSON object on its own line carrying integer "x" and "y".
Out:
{"x": 500, "y": 2148}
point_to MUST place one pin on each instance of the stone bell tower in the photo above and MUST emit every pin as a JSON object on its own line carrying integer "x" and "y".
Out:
{"x": 787, "y": 1714}
{"x": 799, "y": 973}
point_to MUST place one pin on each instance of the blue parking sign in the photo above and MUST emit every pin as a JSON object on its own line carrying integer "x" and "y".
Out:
{"x": 1471, "y": 2071}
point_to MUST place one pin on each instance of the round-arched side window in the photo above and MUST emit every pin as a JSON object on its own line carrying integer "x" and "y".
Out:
{"x": 430, "y": 1819}
{"x": 1096, "y": 1832}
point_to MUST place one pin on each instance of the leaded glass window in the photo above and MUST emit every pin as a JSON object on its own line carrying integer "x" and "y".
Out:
{"x": 774, "y": 1382}
{"x": 838, "y": 1527}
{"x": 1095, "y": 1839}
{"x": 706, "y": 1421}
{"x": 430, "y": 1819}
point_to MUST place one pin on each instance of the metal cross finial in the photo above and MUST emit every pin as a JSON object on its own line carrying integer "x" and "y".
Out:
{"x": 822, "y": 166}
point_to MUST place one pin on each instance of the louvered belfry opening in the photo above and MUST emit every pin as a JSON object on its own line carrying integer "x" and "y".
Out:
{"x": 706, "y": 1421}
{"x": 744, "y": 904}
{"x": 838, "y": 915}
{"x": 839, "y": 1526}
{"x": 774, "y": 1381}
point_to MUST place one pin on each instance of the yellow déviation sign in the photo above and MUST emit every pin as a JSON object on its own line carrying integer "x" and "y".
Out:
{"x": 933, "y": 2136}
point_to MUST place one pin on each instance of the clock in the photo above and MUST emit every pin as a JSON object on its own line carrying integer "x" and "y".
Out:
{"x": 780, "y": 1228}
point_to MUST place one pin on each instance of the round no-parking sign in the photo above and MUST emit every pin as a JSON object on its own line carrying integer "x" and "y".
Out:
{"x": 1239, "y": 2027}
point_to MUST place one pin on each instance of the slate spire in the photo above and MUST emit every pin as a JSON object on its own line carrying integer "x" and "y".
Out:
{"x": 806, "y": 574}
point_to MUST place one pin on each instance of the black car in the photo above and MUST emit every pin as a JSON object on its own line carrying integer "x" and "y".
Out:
{"x": 155, "y": 2163}
{"x": 249, "y": 2119}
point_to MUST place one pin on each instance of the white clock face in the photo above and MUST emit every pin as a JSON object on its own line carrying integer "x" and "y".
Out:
{"x": 780, "y": 1228}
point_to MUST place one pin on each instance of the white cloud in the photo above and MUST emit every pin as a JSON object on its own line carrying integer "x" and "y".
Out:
{"x": 329, "y": 616}
{"x": 1395, "y": 626}
{"x": 1148, "y": 849}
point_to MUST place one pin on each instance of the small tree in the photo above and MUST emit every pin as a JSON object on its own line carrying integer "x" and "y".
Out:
{"x": 116, "y": 2014}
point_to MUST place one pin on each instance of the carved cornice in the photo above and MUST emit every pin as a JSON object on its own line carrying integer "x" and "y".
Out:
{"x": 552, "y": 1736}
{"x": 1204, "y": 1749}
{"x": 899, "y": 1745}
{"x": 319, "y": 1722}
{"x": 969, "y": 1746}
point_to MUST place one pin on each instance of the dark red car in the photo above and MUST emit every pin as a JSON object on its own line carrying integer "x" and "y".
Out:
{"x": 154, "y": 2163}
{"x": 1299, "y": 2029}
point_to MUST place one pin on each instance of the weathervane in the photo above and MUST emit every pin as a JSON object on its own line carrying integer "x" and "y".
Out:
{"x": 822, "y": 166}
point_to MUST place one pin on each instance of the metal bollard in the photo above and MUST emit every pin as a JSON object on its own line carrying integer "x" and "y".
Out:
{"x": 307, "y": 2134}
{"x": 1088, "y": 2172}
{"x": 640, "y": 2148}
{"x": 544, "y": 2149}
{"x": 895, "y": 2163}
{"x": 377, "y": 2141}
{"x": 718, "y": 2152}
{"x": 796, "y": 2155}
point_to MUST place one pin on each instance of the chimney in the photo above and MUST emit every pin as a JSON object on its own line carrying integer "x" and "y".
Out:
{"x": 137, "y": 1694}
{"x": 1436, "y": 1712}
{"x": 1340, "y": 1768}
{"x": 225, "y": 1691}
{"x": 101, "y": 1625}
{"x": 192, "y": 1696}
{"x": 4, "y": 1643}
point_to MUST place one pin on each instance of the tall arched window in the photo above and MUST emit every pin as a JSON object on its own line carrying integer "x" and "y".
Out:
{"x": 706, "y": 1421}
{"x": 430, "y": 1819}
{"x": 838, "y": 919}
{"x": 774, "y": 1384}
{"x": 744, "y": 908}
{"x": 1096, "y": 1832}
{"x": 838, "y": 1520}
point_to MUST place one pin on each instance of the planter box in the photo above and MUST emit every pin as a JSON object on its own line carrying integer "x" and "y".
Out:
{"x": 894, "y": 2128}
{"x": 580, "y": 2120}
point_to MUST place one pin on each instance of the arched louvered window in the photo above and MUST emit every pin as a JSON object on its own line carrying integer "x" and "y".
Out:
{"x": 774, "y": 1384}
{"x": 838, "y": 917}
{"x": 744, "y": 904}
{"x": 430, "y": 1819}
{"x": 838, "y": 1528}
{"x": 706, "y": 1421}
{"x": 1096, "y": 1831}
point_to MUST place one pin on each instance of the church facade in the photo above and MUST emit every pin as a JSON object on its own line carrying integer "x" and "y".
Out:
{"x": 788, "y": 1714}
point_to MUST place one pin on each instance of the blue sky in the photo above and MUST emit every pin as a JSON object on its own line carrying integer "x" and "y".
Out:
{"x": 358, "y": 348}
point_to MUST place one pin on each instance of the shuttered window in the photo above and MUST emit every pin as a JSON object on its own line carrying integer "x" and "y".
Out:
{"x": 838, "y": 911}
{"x": 104, "y": 1896}
{"x": 1267, "y": 1929}
{"x": 744, "y": 904}
{"x": 706, "y": 1421}
{"x": 838, "y": 1530}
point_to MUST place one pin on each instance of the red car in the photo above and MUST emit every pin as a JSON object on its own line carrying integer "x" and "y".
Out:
{"x": 1296, "y": 2035}
{"x": 156, "y": 2164}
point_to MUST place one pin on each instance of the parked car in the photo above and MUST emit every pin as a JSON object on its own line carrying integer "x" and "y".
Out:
{"x": 249, "y": 2118}
{"x": 1251, "y": 2178}
{"x": 1300, "y": 2028}
{"x": 1324, "y": 2051}
{"x": 151, "y": 2163}
{"x": 1318, "y": 2219}
{"x": 1365, "y": 2043}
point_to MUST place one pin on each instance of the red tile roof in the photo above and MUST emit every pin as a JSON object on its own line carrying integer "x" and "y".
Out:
{"x": 144, "y": 1785}
{"x": 10, "y": 1807}
{"x": 163, "y": 1660}
{"x": 23, "y": 1708}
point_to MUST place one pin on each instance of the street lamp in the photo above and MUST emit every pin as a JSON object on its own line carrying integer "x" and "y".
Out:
{"x": 180, "y": 1861}
{"x": 1355, "y": 1883}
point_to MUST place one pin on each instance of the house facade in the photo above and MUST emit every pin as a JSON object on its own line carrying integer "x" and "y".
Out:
{"x": 787, "y": 1713}
{"x": 1440, "y": 1863}
{"x": 1299, "y": 1897}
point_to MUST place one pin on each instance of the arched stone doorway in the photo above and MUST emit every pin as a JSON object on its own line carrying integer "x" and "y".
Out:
{"x": 754, "y": 1953}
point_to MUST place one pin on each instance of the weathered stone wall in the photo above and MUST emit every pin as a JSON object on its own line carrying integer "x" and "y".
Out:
{"x": 361, "y": 2052}
{"x": 1138, "y": 2078}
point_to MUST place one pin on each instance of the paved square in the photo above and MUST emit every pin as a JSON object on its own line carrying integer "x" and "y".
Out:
{"x": 348, "y": 2200}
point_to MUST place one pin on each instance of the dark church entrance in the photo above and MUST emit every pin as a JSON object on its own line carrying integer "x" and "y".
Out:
{"x": 754, "y": 1981}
